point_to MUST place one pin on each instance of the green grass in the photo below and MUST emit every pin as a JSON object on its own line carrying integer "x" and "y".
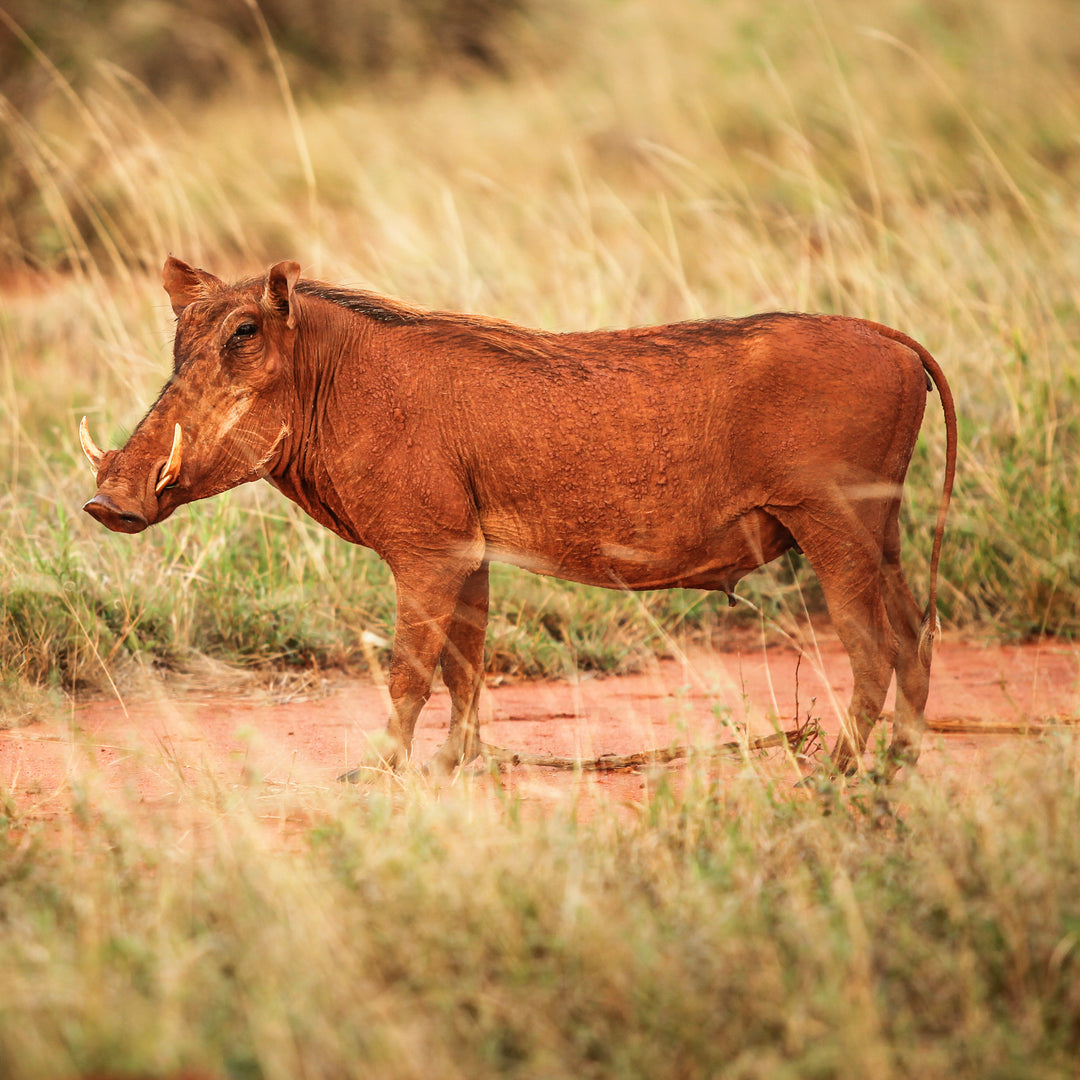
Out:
{"x": 728, "y": 929}
{"x": 916, "y": 168}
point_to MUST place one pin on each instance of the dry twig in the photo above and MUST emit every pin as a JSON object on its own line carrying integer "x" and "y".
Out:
{"x": 796, "y": 738}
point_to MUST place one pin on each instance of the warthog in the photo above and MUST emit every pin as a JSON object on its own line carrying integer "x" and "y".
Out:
{"x": 659, "y": 457}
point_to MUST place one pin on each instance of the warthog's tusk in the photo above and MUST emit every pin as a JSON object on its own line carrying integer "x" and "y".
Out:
{"x": 171, "y": 470}
{"x": 93, "y": 452}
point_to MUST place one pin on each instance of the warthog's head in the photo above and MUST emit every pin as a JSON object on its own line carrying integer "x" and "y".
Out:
{"x": 220, "y": 419}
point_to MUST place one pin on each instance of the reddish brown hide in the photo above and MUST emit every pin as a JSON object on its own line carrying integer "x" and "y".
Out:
{"x": 683, "y": 455}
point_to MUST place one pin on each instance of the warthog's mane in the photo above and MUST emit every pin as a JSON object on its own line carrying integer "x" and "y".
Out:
{"x": 523, "y": 341}
{"x": 497, "y": 333}
{"x": 384, "y": 309}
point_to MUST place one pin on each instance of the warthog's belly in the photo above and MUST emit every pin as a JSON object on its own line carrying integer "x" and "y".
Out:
{"x": 669, "y": 555}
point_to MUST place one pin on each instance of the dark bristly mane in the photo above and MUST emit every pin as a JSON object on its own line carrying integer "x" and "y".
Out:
{"x": 496, "y": 333}
{"x": 373, "y": 305}
{"x": 521, "y": 341}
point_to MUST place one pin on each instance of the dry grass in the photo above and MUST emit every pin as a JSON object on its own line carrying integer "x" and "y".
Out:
{"x": 913, "y": 163}
{"x": 699, "y": 160}
{"x": 730, "y": 929}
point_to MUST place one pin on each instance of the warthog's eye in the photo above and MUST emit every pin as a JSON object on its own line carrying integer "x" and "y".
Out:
{"x": 244, "y": 332}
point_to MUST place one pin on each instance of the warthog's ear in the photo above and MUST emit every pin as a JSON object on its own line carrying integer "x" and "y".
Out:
{"x": 280, "y": 284}
{"x": 185, "y": 284}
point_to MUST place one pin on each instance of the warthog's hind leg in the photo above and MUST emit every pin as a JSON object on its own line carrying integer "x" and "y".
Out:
{"x": 912, "y": 669}
{"x": 848, "y": 566}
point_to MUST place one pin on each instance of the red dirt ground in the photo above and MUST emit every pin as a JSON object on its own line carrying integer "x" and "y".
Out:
{"x": 150, "y": 744}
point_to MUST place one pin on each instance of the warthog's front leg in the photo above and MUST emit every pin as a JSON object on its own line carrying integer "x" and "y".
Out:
{"x": 428, "y": 595}
{"x": 462, "y": 664}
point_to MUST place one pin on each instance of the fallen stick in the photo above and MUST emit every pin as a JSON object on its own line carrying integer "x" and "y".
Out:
{"x": 970, "y": 725}
{"x": 496, "y": 755}
{"x": 946, "y": 725}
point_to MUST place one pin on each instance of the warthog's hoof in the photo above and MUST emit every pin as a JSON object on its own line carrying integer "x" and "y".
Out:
{"x": 453, "y": 753}
{"x": 825, "y": 776}
{"x": 818, "y": 781}
{"x": 384, "y": 755}
{"x": 362, "y": 774}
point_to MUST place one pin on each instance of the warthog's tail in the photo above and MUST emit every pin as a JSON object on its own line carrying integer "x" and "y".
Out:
{"x": 930, "y": 626}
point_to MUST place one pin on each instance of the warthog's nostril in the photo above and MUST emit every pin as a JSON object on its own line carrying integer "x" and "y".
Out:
{"x": 103, "y": 509}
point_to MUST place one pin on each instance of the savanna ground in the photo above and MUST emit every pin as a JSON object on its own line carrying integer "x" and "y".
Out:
{"x": 183, "y": 886}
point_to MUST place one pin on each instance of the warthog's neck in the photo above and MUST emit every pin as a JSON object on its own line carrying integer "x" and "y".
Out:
{"x": 340, "y": 420}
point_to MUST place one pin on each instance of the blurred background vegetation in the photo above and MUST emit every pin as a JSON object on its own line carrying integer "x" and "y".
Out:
{"x": 570, "y": 164}
{"x": 566, "y": 164}
{"x": 201, "y": 49}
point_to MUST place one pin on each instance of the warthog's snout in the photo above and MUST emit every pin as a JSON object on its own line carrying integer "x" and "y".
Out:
{"x": 115, "y": 517}
{"x": 122, "y": 509}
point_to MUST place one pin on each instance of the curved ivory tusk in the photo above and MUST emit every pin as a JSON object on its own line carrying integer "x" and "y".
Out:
{"x": 93, "y": 452}
{"x": 171, "y": 470}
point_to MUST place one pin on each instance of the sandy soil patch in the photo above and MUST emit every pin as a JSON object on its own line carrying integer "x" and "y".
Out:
{"x": 999, "y": 697}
